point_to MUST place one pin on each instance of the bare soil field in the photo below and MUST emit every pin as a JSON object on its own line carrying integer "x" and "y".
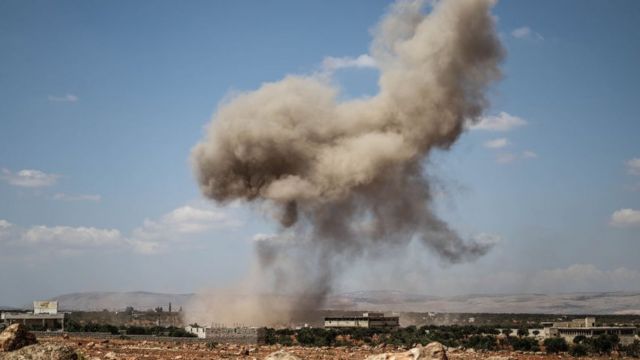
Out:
{"x": 94, "y": 349}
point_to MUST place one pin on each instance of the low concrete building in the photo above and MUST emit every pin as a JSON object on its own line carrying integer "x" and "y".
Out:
{"x": 199, "y": 331}
{"x": 587, "y": 327}
{"x": 232, "y": 335}
{"x": 370, "y": 320}
{"x": 45, "y": 315}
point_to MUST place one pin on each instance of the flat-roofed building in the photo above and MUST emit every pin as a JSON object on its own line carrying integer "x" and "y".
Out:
{"x": 45, "y": 315}
{"x": 233, "y": 335}
{"x": 370, "y": 320}
{"x": 587, "y": 327}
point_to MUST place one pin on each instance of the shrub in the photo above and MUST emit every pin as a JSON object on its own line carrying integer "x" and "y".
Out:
{"x": 555, "y": 345}
{"x": 578, "y": 350}
{"x": 579, "y": 339}
{"x": 632, "y": 349}
{"x": 481, "y": 342}
{"x": 524, "y": 344}
{"x": 604, "y": 344}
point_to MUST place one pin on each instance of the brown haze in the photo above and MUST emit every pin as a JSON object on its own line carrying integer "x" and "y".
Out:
{"x": 346, "y": 179}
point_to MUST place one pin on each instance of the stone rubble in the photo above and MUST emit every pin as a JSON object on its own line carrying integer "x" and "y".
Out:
{"x": 14, "y": 337}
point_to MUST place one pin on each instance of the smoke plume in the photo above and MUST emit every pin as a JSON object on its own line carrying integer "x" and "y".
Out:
{"x": 346, "y": 179}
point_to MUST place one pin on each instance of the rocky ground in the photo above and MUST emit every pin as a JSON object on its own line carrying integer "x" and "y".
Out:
{"x": 168, "y": 350}
{"x": 18, "y": 344}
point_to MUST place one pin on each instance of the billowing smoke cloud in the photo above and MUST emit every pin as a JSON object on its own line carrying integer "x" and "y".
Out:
{"x": 346, "y": 179}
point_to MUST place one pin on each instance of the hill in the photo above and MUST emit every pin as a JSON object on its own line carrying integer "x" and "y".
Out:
{"x": 381, "y": 300}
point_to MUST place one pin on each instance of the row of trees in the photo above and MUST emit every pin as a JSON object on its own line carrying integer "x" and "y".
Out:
{"x": 479, "y": 338}
{"x": 73, "y": 326}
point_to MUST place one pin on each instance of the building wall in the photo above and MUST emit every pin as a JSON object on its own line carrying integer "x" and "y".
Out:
{"x": 384, "y": 322}
{"x": 340, "y": 323}
{"x": 626, "y": 335}
{"x": 239, "y": 335}
{"x": 200, "y": 332}
{"x": 45, "y": 307}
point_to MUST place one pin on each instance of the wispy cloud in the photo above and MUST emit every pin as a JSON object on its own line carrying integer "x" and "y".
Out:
{"x": 330, "y": 63}
{"x": 625, "y": 218}
{"x": 66, "y": 237}
{"x": 29, "y": 178}
{"x": 633, "y": 166}
{"x": 506, "y": 158}
{"x": 502, "y": 122}
{"x": 510, "y": 157}
{"x": 526, "y": 32}
{"x": 180, "y": 224}
{"x": 185, "y": 223}
{"x": 496, "y": 143}
{"x": 487, "y": 239}
{"x": 65, "y": 98}
{"x": 77, "y": 197}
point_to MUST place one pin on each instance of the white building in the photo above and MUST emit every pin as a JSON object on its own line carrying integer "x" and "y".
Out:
{"x": 587, "y": 327}
{"x": 367, "y": 320}
{"x": 45, "y": 315}
{"x": 199, "y": 331}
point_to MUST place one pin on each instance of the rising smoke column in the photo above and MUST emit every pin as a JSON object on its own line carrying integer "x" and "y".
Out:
{"x": 347, "y": 178}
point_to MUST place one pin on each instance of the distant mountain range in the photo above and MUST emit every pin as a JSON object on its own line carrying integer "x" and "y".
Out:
{"x": 141, "y": 300}
{"x": 566, "y": 303}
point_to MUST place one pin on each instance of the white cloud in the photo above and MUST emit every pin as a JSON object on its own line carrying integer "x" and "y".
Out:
{"x": 625, "y": 217}
{"x": 509, "y": 157}
{"x": 496, "y": 143}
{"x": 363, "y": 61}
{"x": 66, "y": 237}
{"x": 180, "y": 224}
{"x": 633, "y": 166}
{"x": 29, "y": 178}
{"x": 263, "y": 237}
{"x": 77, "y": 197}
{"x": 4, "y": 224}
{"x": 525, "y": 32}
{"x": 506, "y": 158}
{"x": 501, "y": 122}
{"x": 66, "y": 98}
{"x": 487, "y": 239}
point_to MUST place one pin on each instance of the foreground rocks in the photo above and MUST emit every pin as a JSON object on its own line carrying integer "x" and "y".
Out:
{"x": 281, "y": 355}
{"x": 433, "y": 351}
{"x": 96, "y": 348}
{"x": 15, "y": 337}
{"x": 42, "y": 352}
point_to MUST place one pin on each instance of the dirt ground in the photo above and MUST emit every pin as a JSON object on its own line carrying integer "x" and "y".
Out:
{"x": 169, "y": 350}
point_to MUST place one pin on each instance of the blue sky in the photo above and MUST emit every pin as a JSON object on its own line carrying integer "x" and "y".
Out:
{"x": 101, "y": 103}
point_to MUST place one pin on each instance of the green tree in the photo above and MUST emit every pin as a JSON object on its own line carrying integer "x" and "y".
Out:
{"x": 632, "y": 349}
{"x": 555, "y": 345}
{"x": 579, "y": 339}
{"x": 578, "y": 350}
{"x": 604, "y": 344}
